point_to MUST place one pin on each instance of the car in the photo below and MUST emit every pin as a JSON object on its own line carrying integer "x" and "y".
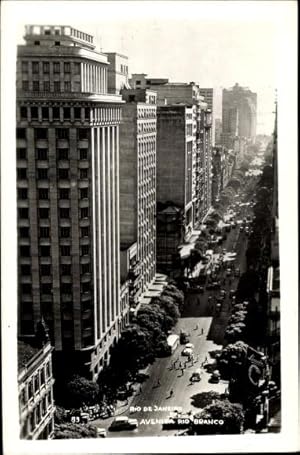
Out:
{"x": 101, "y": 433}
{"x": 196, "y": 376}
{"x": 187, "y": 352}
{"x": 215, "y": 377}
{"x": 121, "y": 423}
{"x": 228, "y": 272}
{"x": 237, "y": 272}
{"x": 209, "y": 286}
{"x": 216, "y": 285}
{"x": 195, "y": 289}
{"x": 223, "y": 293}
{"x": 232, "y": 293}
{"x": 241, "y": 228}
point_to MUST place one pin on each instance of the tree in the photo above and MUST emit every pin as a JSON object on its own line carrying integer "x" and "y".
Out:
{"x": 74, "y": 431}
{"x": 235, "y": 331}
{"x": 235, "y": 183}
{"x": 231, "y": 358}
{"x": 231, "y": 414}
{"x": 203, "y": 399}
{"x": 80, "y": 390}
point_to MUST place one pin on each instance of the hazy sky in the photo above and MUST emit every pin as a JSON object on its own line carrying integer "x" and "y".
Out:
{"x": 213, "y": 43}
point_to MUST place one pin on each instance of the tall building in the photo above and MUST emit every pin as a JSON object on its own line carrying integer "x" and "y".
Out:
{"x": 208, "y": 94}
{"x": 218, "y": 131}
{"x": 189, "y": 94}
{"x": 68, "y": 196}
{"x": 138, "y": 185}
{"x": 238, "y": 114}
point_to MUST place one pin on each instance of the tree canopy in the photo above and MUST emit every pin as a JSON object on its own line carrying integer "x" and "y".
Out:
{"x": 231, "y": 414}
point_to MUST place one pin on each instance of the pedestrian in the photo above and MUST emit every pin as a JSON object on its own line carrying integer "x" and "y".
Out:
{"x": 202, "y": 331}
{"x": 171, "y": 392}
{"x": 206, "y": 358}
{"x": 180, "y": 365}
{"x": 158, "y": 383}
{"x": 196, "y": 328}
{"x": 182, "y": 371}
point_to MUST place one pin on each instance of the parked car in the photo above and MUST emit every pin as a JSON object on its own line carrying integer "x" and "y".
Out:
{"x": 196, "y": 376}
{"x": 216, "y": 285}
{"x": 223, "y": 293}
{"x": 241, "y": 228}
{"x": 184, "y": 338}
{"x": 187, "y": 352}
{"x": 123, "y": 423}
{"x": 232, "y": 293}
{"x": 228, "y": 272}
{"x": 237, "y": 272}
{"x": 101, "y": 433}
{"x": 209, "y": 286}
{"x": 194, "y": 289}
{"x": 215, "y": 377}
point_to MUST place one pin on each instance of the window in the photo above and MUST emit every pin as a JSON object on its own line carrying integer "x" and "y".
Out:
{"x": 64, "y": 193}
{"x": 77, "y": 113}
{"x": 47, "y": 32}
{"x": 21, "y": 154}
{"x": 41, "y": 133}
{"x": 24, "y": 67}
{"x": 23, "y": 213}
{"x": 85, "y": 231}
{"x": 24, "y": 232}
{"x": 82, "y": 133}
{"x": 64, "y": 213}
{"x": 67, "y": 67}
{"x": 65, "y": 250}
{"x": 67, "y": 113}
{"x": 26, "y": 288}
{"x": 137, "y": 82}
{"x": 46, "y": 67}
{"x": 35, "y": 67}
{"x": 77, "y": 68}
{"x": 85, "y": 287}
{"x": 83, "y": 173}
{"x": 45, "y": 250}
{"x": 56, "y": 86}
{"x": 56, "y": 67}
{"x": 131, "y": 98}
{"x": 66, "y": 269}
{"x": 45, "y": 113}
{"x": 21, "y": 133}
{"x": 35, "y": 86}
{"x": 22, "y": 173}
{"x": 66, "y": 288}
{"x": 46, "y": 288}
{"x": 36, "y": 43}
{"x": 25, "y": 269}
{"x": 44, "y": 212}
{"x": 63, "y": 173}
{"x": 43, "y": 193}
{"x": 22, "y": 193}
{"x": 42, "y": 174}
{"x": 65, "y": 232}
{"x": 46, "y": 86}
{"x": 63, "y": 154}
{"x": 87, "y": 112}
{"x": 85, "y": 249}
{"x": 42, "y": 154}
{"x": 84, "y": 212}
{"x": 57, "y": 43}
{"x": 56, "y": 114}
{"x": 67, "y": 87}
{"x": 62, "y": 133}
{"x": 34, "y": 113}
{"x": 25, "y": 85}
{"x": 25, "y": 251}
{"x": 45, "y": 269}
{"x": 85, "y": 268}
{"x": 83, "y": 154}
{"x": 44, "y": 231}
{"x": 84, "y": 193}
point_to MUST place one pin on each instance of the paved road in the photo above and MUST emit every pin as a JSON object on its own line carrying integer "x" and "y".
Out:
{"x": 153, "y": 400}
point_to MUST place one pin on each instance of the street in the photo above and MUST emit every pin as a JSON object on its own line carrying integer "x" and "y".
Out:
{"x": 152, "y": 399}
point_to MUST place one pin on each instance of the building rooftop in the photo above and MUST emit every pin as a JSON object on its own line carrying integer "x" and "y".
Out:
{"x": 65, "y": 32}
{"x": 25, "y": 353}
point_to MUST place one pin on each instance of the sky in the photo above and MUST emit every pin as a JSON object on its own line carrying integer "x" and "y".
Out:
{"x": 215, "y": 44}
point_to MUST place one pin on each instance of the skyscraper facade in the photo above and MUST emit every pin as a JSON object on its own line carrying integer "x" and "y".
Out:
{"x": 238, "y": 114}
{"x": 138, "y": 182}
{"x": 68, "y": 195}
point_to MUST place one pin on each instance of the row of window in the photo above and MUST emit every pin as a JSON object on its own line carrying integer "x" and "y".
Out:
{"x": 45, "y": 250}
{"x": 58, "y": 113}
{"x": 47, "y": 288}
{"x": 61, "y": 133}
{"x": 43, "y": 193}
{"x": 47, "y": 67}
{"x": 44, "y": 232}
{"x": 58, "y": 86}
{"x": 42, "y": 154}
{"x": 42, "y": 173}
{"x": 44, "y": 212}
{"x": 45, "y": 269}
{"x": 146, "y": 113}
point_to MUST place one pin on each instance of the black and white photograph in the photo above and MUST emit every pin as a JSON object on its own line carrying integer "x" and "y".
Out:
{"x": 149, "y": 273}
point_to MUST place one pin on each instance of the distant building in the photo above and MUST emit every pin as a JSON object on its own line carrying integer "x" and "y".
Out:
{"x": 68, "y": 195}
{"x": 138, "y": 183}
{"x": 35, "y": 385}
{"x": 117, "y": 72}
{"x": 239, "y": 106}
{"x": 218, "y": 131}
{"x": 189, "y": 94}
